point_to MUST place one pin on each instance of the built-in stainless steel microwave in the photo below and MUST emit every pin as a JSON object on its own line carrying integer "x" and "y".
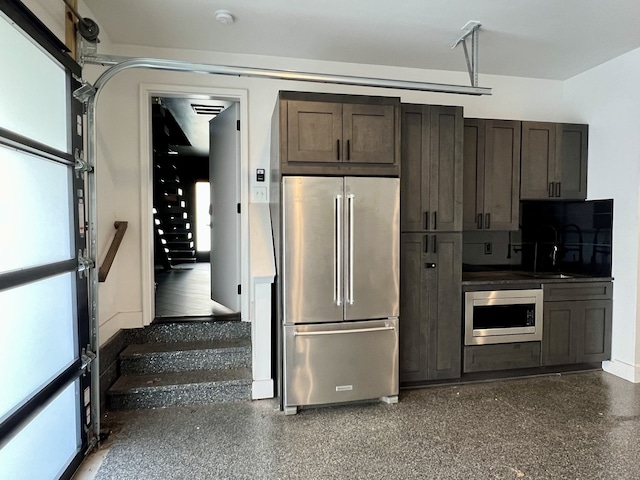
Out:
{"x": 502, "y": 316}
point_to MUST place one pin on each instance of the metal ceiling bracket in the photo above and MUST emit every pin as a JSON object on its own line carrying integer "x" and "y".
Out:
{"x": 84, "y": 92}
{"x": 471, "y": 29}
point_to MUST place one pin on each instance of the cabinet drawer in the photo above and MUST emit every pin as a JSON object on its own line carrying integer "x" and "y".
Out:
{"x": 504, "y": 356}
{"x": 340, "y": 362}
{"x": 577, "y": 291}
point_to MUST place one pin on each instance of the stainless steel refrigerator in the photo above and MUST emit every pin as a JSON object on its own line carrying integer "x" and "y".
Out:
{"x": 340, "y": 289}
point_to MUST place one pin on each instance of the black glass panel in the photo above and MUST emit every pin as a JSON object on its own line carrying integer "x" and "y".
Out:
{"x": 571, "y": 237}
{"x": 504, "y": 316}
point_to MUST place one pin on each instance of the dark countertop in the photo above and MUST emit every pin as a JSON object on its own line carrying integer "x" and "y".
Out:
{"x": 514, "y": 277}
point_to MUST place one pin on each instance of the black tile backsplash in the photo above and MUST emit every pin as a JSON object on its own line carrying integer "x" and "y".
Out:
{"x": 567, "y": 236}
{"x": 554, "y": 236}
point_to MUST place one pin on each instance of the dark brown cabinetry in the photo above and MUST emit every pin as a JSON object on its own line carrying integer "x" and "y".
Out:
{"x": 491, "y": 174}
{"x": 554, "y": 161}
{"x": 431, "y": 263}
{"x": 577, "y": 323}
{"x": 338, "y": 134}
{"x": 430, "y": 307}
{"x": 431, "y": 180}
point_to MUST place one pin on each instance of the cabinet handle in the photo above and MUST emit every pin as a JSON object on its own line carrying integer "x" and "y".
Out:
{"x": 435, "y": 220}
{"x": 479, "y": 221}
{"x": 558, "y": 189}
{"x": 348, "y": 150}
{"x": 426, "y": 220}
{"x": 435, "y": 244}
{"x": 487, "y": 221}
{"x": 426, "y": 244}
{"x": 551, "y": 189}
{"x": 338, "y": 142}
{"x": 429, "y": 265}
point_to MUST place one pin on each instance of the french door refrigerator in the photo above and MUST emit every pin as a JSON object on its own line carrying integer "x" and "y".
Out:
{"x": 340, "y": 289}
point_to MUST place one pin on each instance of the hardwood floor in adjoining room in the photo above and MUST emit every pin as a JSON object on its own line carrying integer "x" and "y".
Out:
{"x": 185, "y": 291}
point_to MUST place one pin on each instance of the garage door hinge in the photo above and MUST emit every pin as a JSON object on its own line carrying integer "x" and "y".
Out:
{"x": 87, "y": 357}
{"x": 84, "y": 92}
{"x": 84, "y": 262}
{"x": 81, "y": 166}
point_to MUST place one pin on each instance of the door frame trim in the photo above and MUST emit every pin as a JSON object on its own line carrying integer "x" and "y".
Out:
{"x": 148, "y": 90}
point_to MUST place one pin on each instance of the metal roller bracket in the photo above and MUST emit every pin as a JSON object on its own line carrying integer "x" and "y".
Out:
{"x": 84, "y": 92}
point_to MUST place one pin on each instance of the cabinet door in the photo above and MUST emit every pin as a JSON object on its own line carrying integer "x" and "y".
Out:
{"x": 414, "y": 308}
{"x": 414, "y": 177}
{"x": 538, "y": 172}
{"x": 502, "y": 175}
{"x": 594, "y": 334}
{"x": 473, "y": 174}
{"x": 430, "y": 306}
{"x": 314, "y": 131}
{"x": 369, "y": 133}
{"x": 444, "y": 285}
{"x": 576, "y": 332}
{"x": 558, "y": 333}
{"x": 445, "y": 156}
{"x": 571, "y": 157}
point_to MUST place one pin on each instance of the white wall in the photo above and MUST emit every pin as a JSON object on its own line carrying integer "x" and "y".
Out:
{"x": 604, "y": 97}
{"x": 607, "y": 98}
{"x": 118, "y": 162}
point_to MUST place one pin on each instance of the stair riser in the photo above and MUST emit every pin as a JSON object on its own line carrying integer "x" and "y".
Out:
{"x": 191, "y": 332}
{"x": 181, "y": 361}
{"x": 181, "y": 395}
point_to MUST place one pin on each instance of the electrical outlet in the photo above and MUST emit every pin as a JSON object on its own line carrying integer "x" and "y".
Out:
{"x": 488, "y": 248}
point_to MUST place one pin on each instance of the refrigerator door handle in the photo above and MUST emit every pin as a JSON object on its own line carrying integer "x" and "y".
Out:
{"x": 337, "y": 261}
{"x": 336, "y": 332}
{"x": 350, "y": 200}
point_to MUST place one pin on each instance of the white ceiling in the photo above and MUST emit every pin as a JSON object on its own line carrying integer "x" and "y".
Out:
{"x": 552, "y": 39}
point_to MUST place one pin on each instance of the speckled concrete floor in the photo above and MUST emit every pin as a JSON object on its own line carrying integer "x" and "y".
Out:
{"x": 577, "y": 426}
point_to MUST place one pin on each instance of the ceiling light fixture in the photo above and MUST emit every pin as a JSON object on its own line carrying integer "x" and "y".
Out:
{"x": 225, "y": 17}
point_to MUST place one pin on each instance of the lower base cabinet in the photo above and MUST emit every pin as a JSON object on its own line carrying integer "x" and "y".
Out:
{"x": 430, "y": 306}
{"x": 577, "y": 323}
{"x": 501, "y": 356}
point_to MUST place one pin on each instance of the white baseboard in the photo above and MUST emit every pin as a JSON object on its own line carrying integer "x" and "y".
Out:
{"x": 623, "y": 370}
{"x": 262, "y": 389}
{"x": 116, "y": 323}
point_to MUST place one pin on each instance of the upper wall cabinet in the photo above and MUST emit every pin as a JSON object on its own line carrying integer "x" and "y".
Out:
{"x": 431, "y": 180}
{"x": 554, "y": 161}
{"x": 339, "y": 134}
{"x": 491, "y": 174}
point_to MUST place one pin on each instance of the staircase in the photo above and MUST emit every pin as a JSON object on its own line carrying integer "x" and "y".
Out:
{"x": 184, "y": 363}
{"x": 173, "y": 232}
{"x": 174, "y": 243}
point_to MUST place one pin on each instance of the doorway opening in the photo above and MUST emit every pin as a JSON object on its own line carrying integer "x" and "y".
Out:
{"x": 186, "y": 266}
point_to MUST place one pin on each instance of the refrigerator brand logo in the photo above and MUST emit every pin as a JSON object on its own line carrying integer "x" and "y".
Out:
{"x": 344, "y": 388}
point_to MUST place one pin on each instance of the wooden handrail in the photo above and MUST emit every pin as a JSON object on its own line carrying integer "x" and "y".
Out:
{"x": 121, "y": 227}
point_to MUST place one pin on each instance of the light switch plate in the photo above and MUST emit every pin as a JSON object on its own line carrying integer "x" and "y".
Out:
{"x": 259, "y": 195}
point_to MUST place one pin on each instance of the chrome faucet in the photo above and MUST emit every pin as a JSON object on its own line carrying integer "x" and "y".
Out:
{"x": 554, "y": 255}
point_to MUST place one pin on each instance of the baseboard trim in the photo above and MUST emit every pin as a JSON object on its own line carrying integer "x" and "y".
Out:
{"x": 262, "y": 389}
{"x": 118, "y": 322}
{"x": 623, "y": 370}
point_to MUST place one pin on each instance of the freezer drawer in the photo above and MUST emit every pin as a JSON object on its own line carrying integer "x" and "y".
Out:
{"x": 340, "y": 362}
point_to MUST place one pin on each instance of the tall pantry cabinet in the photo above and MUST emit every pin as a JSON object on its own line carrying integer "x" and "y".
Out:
{"x": 431, "y": 242}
